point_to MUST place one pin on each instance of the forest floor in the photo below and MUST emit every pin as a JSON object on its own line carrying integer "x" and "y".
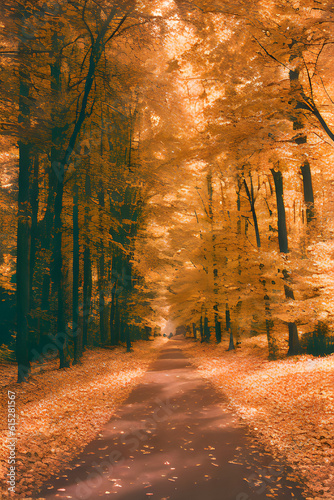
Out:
{"x": 60, "y": 411}
{"x": 288, "y": 403}
{"x": 173, "y": 438}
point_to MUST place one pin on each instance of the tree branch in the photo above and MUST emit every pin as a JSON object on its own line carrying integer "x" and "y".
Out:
{"x": 86, "y": 24}
{"x": 329, "y": 97}
{"x": 309, "y": 78}
{"x": 270, "y": 55}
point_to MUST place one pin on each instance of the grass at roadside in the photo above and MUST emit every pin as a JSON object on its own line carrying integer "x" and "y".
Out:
{"x": 60, "y": 411}
{"x": 289, "y": 403}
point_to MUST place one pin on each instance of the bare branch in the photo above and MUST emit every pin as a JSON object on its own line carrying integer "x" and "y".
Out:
{"x": 86, "y": 24}
{"x": 329, "y": 97}
{"x": 117, "y": 28}
{"x": 28, "y": 52}
{"x": 205, "y": 210}
{"x": 84, "y": 59}
{"x": 309, "y": 78}
{"x": 316, "y": 62}
{"x": 322, "y": 139}
{"x": 270, "y": 55}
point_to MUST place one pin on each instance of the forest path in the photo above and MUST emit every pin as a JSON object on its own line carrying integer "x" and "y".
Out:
{"x": 174, "y": 438}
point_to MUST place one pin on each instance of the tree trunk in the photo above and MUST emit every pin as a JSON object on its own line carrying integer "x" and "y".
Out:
{"x": 237, "y": 317}
{"x": 148, "y": 330}
{"x": 59, "y": 277}
{"x": 128, "y": 338}
{"x": 231, "y": 346}
{"x": 95, "y": 55}
{"x": 301, "y": 138}
{"x": 271, "y": 343}
{"x": 101, "y": 264}
{"x": 23, "y": 271}
{"x": 214, "y": 260}
{"x": 294, "y": 344}
{"x": 102, "y": 306}
{"x": 194, "y": 330}
{"x": 117, "y": 323}
{"x": 122, "y": 331}
{"x": 23, "y": 263}
{"x": 227, "y": 318}
{"x": 56, "y": 180}
{"x": 308, "y": 191}
{"x": 113, "y": 338}
{"x": 281, "y": 223}
{"x": 117, "y": 287}
{"x": 251, "y": 199}
{"x": 229, "y": 328}
{"x": 34, "y": 202}
{"x": 201, "y": 328}
{"x": 218, "y": 329}
{"x": 45, "y": 304}
{"x": 57, "y": 138}
{"x": 256, "y": 227}
{"x": 88, "y": 283}
{"x": 76, "y": 331}
{"x": 87, "y": 294}
{"x": 272, "y": 347}
{"x": 239, "y": 208}
{"x": 206, "y": 330}
{"x": 44, "y": 326}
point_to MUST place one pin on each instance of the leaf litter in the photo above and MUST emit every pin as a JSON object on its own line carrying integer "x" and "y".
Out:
{"x": 287, "y": 403}
{"x": 60, "y": 411}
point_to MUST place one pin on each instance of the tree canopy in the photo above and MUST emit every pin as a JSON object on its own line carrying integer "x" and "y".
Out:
{"x": 164, "y": 164}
